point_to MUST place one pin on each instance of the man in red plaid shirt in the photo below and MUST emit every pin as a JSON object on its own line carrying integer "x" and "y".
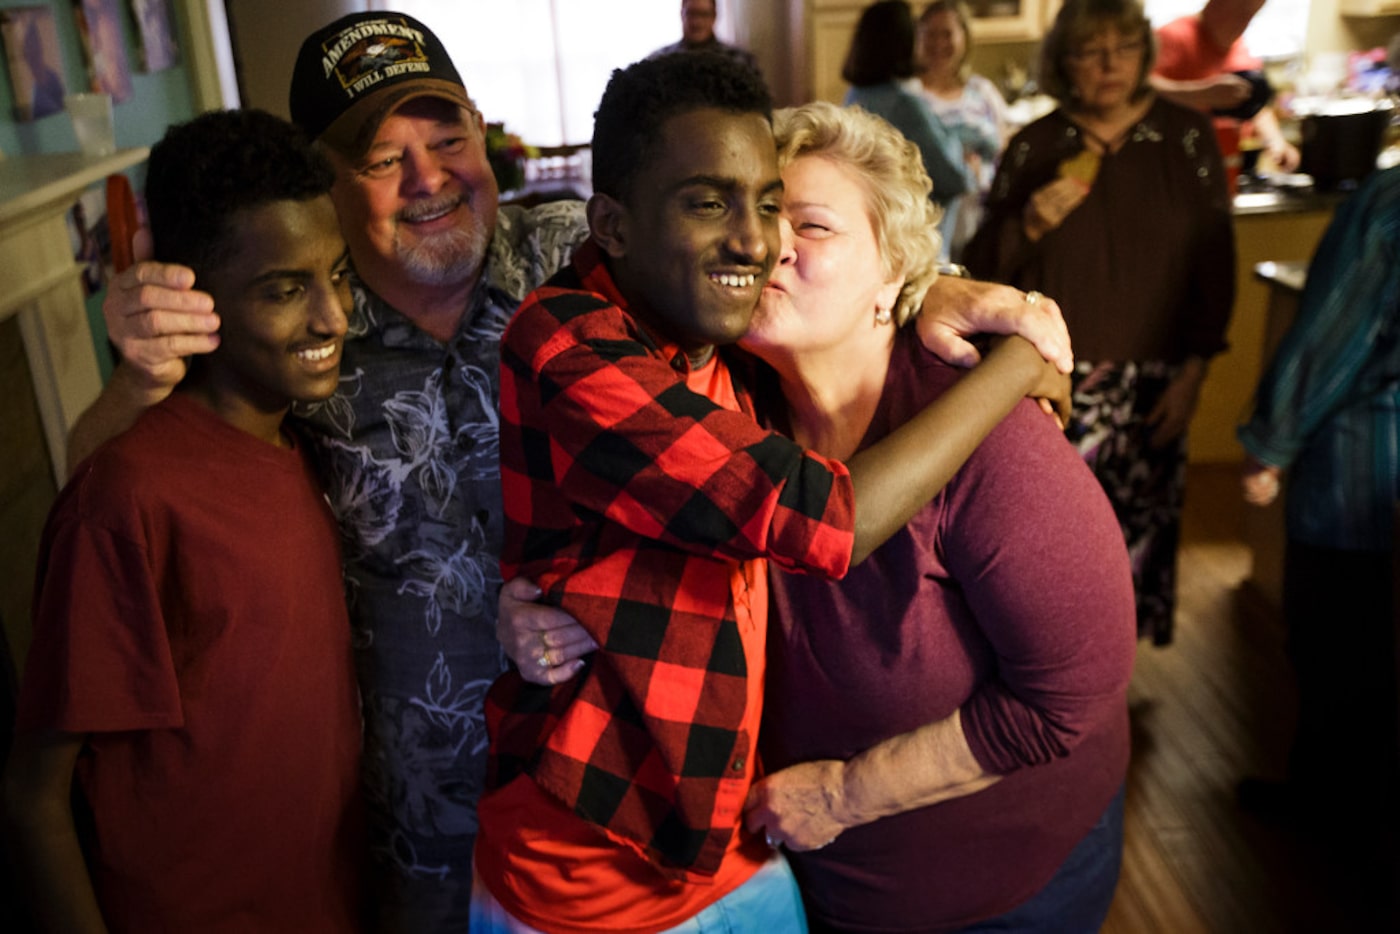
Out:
{"x": 645, "y": 500}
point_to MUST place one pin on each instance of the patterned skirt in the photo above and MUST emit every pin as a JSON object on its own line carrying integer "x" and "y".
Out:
{"x": 1144, "y": 484}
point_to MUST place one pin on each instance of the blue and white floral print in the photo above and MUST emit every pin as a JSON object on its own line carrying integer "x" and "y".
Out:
{"x": 409, "y": 451}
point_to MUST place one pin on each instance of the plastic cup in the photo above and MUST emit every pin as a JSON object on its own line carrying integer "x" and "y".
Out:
{"x": 92, "y": 122}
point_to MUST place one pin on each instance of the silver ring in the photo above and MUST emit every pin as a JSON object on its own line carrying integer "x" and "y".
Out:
{"x": 1033, "y": 296}
{"x": 772, "y": 842}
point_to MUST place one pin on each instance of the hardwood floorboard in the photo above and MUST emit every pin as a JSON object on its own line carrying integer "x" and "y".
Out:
{"x": 1149, "y": 898}
{"x": 1214, "y": 706}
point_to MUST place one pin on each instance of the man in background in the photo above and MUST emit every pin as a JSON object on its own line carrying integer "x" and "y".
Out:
{"x": 1199, "y": 58}
{"x": 1327, "y": 411}
{"x": 698, "y": 34}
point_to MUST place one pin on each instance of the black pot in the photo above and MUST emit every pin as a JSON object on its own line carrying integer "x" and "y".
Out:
{"x": 1340, "y": 146}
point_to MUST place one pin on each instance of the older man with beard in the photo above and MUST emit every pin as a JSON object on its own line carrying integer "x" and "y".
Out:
{"x": 408, "y": 445}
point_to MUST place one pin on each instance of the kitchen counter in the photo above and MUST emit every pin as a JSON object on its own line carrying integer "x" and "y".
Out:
{"x": 1288, "y": 276}
{"x": 1285, "y": 201}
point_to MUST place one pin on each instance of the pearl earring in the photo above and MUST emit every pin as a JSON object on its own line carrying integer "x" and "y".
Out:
{"x": 883, "y": 316}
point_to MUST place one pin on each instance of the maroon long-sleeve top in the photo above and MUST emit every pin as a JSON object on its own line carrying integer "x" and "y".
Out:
{"x": 1007, "y": 598}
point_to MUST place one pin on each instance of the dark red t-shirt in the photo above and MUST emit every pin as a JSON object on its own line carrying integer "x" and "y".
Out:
{"x": 190, "y": 619}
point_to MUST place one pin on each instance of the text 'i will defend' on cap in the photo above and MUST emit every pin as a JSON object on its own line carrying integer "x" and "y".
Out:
{"x": 352, "y": 74}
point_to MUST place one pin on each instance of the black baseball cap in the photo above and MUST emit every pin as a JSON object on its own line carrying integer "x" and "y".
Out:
{"x": 351, "y": 75}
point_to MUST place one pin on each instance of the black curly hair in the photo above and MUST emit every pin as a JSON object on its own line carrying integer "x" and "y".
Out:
{"x": 206, "y": 169}
{"x": 644, "y": 95}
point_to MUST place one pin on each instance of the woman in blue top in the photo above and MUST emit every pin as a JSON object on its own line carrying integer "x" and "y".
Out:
{"x": 881, "y": 67}
{"x": 968, "y": 104}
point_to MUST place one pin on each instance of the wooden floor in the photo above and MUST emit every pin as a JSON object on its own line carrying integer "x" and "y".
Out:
{"x": 1215, "y": 705}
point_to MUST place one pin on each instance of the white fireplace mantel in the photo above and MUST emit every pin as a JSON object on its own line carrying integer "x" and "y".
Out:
{"x": 40, "y": 281}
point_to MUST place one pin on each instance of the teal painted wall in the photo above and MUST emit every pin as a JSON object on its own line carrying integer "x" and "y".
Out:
{"x": 157, "y": 100}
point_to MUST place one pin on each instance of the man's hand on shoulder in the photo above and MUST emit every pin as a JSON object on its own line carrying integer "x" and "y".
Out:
{"x": 156, "y": 318}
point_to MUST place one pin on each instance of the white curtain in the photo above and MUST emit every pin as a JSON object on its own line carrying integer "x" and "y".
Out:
{"x": 540, "y": 66}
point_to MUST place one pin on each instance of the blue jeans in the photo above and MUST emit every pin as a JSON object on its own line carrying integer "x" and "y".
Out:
{"x": 1077, "y": 897}
{"x": 768, "y": 903}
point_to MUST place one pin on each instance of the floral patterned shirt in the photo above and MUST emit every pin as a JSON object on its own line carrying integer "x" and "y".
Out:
{"x": 409, "y": 454}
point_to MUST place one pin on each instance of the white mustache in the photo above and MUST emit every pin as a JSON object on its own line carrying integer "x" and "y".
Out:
{"x": 431, "y": 207}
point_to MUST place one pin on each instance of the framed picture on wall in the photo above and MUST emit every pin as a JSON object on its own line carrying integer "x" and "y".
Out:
{"x": 100, "y": 26}
{"x": 158, "y": 49}
{"x": 34, "y": 60}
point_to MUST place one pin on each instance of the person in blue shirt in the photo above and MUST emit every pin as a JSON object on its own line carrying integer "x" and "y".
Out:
{"x": 880, "y": 66}
{"x": 1327, "y": 411}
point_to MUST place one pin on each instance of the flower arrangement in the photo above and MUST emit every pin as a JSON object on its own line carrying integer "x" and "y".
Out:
{"x": 507, "y": 153}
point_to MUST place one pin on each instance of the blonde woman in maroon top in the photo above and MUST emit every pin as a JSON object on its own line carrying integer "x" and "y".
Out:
{"x": 946, "y": 727}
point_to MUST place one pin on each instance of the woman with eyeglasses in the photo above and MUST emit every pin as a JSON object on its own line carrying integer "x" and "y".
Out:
{"x": 1117, "y": 205}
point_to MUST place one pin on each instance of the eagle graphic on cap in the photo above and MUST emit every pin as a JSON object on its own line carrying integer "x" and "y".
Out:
{"x": 374, "y": 54}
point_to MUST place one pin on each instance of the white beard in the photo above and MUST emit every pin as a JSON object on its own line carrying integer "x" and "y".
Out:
{"x": 446, "y": 258}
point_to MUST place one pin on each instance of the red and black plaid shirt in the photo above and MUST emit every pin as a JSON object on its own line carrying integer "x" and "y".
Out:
{"x": 632, "y": 500}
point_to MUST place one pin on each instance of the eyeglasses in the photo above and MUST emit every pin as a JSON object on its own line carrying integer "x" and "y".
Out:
{"x": 1103, "y": 53}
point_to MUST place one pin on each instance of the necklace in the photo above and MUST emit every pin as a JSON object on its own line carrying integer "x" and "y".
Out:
{"x": 1112, "y": 144}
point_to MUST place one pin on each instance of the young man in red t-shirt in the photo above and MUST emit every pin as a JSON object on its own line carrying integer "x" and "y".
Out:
{"x": 190, "y": 675}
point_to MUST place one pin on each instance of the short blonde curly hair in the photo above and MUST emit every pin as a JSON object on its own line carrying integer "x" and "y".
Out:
{"x": 904, "y": 217}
